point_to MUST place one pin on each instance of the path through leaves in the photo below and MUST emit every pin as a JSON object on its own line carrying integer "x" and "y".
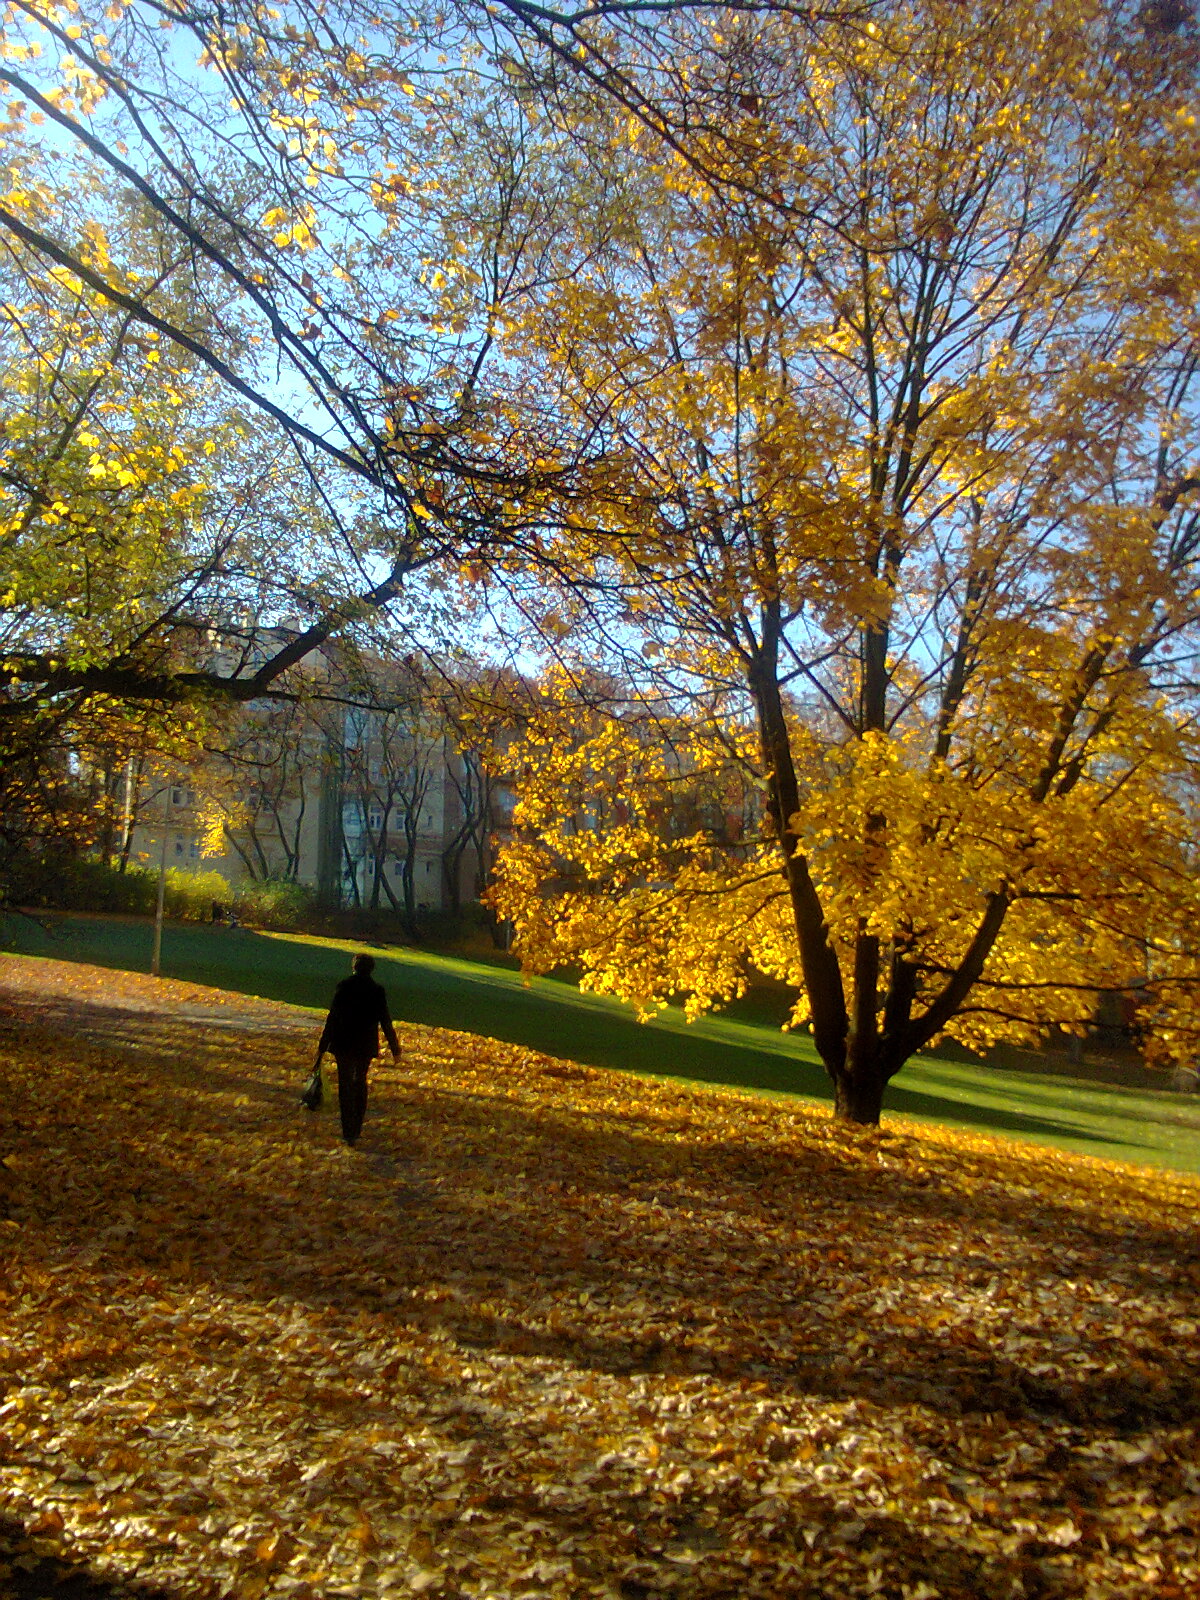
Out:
{"x": 554, "y": 1332}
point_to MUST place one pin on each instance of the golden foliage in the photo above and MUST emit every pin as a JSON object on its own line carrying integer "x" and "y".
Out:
{"x": 896, "y": 523}
{"x": 843, "y": 395}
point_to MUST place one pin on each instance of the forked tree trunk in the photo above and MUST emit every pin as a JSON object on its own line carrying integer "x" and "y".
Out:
{"x": 858, "y": 1095}
{"x": 861, "y": 1047}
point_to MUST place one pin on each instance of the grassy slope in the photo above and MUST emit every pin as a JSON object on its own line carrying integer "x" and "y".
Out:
{"x": 1153, "y": 1128}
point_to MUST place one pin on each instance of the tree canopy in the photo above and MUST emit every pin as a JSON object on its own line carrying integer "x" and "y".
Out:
{"x": 897, "y": 517}
{"x": 814, "y": 388}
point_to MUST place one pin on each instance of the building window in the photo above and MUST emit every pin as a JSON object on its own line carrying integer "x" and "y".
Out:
{"x": 179, "y": 847}
{"x": 176, "y": 797}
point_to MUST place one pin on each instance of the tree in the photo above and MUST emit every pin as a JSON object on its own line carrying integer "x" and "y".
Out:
{"x": 301, "y": 176}
{"x": 262, "y": 781}
{"x": 889, "y": 333}
{"x": 482, "y": 708}
{"x": 391, "y": 758}
{"x": 145, "y": 509}
{"x": 132, "y": 509}
{"x": 325, "y": 255}
{"x": 472, "y": 788}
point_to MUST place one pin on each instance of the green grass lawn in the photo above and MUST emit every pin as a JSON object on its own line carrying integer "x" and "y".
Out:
{"x": 1155, "y": 1128}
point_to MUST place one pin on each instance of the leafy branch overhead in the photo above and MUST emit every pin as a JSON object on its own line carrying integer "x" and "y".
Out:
{"x": 344, "y": 306}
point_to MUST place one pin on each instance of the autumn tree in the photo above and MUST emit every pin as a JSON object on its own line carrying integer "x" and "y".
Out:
{"x": 833, "y": 369}
{"x": 264, "y": 780}
{"x": 468, "y": 852}
{"x": 161, "y": 528}
{"x": 889, "y": 333}
{"x": 135, "y": 513}
{"x": 334, "y": 265}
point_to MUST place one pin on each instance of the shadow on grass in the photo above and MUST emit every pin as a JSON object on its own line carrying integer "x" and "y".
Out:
{"x": 998, "y": 1119}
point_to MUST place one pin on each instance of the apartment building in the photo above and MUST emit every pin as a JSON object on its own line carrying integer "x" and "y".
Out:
{"x": 372, "y": 806}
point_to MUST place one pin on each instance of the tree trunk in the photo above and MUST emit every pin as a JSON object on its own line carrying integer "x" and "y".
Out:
{"x": 352, "y": 868}
{"x": 858, "y": 1095}
{"x": 238, "y": 850}
{"x": 452, "y": 860}
{"x": 818, "y": 959}
{"x": 410, "y": 896}
{"x": 106, "y": 842}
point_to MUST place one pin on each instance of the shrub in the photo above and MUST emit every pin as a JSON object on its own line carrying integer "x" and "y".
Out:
{"x": 84, "y": 883}
{"x": 81, "y": 883}
{"x": 190, "y": 895}
{"x": 276, "y": 903}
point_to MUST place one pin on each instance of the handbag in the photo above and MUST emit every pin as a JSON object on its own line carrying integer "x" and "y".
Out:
{"x": 310, "y": 1095}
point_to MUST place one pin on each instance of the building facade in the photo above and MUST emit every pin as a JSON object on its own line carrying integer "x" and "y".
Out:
{"x": 372, "y": 808}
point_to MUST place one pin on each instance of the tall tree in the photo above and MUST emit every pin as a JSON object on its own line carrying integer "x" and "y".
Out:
{"x": 264, "y": 781}
{"x": 472, "y": 795}
{"x": 889, "y": 334}
{"x": 394, "y": 762}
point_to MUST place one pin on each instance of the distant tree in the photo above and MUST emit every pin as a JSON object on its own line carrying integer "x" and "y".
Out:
{"x": 473, "y": 789}
{"x": 263, "y": 779}
{"x": 392, "y": 758}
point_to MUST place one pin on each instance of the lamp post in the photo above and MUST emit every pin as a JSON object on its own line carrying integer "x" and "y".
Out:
{"x": 127, "y": 819}
{"x": 156, "y": 958}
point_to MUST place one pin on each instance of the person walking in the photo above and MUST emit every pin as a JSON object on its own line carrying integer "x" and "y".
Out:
{"x": 351, "y": 1036}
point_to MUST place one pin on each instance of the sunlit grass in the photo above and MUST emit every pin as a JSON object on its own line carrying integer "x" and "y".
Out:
{"x": 1122, "y": 1124}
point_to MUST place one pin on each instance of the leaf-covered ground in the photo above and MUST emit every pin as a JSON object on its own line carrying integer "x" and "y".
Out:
{"x": 551, "y": 1331}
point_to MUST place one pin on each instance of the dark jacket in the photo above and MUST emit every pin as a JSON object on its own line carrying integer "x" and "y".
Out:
{"x": 358, "y": 1012}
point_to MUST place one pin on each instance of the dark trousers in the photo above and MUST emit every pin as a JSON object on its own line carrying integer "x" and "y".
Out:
{"x": 352, "y": 1093}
